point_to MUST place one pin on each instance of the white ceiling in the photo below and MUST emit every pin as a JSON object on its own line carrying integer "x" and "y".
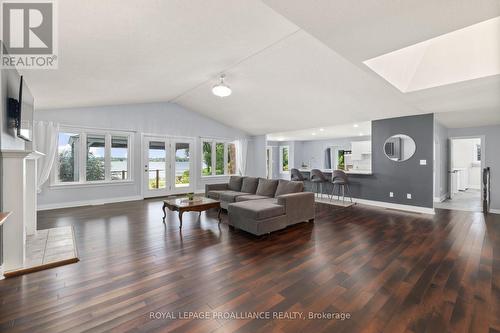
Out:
{"x": 285, "y": 76}
{"x": 322, "y": 133}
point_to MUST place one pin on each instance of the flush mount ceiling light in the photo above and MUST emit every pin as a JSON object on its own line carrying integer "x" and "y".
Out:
{"x": 221, "y": 89}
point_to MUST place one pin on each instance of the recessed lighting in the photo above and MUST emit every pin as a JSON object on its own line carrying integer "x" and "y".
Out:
{"x": 355, "y": 125}
{"x": 360, "y": 134}
{"x": 321, "y": 129}
{"x": 313, "y": 133}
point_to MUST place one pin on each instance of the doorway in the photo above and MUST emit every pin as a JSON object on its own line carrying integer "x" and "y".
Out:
{"x": 168, "y": 166}
{"x": 466, "y": 161}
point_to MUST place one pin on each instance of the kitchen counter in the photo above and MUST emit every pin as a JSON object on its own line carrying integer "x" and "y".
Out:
{"x": 350, "y": 172}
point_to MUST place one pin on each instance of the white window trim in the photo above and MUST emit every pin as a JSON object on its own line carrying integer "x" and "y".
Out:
{"x": 82, "y": 182}
{"x": 281, "y": 159}
{"x": 213, "y": 142}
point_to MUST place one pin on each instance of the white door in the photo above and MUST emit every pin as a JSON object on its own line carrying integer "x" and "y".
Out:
{"x": 168, "y": 166}
{"x": 156, "y": 163}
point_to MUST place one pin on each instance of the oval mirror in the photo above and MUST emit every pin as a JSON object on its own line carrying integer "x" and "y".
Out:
{"x": 399, "y": 147}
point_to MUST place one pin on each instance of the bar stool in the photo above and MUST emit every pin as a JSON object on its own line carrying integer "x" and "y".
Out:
{"x": 296, "y": 175}
{"x": 318, "y": 178}
{"x": 340, "y": 179}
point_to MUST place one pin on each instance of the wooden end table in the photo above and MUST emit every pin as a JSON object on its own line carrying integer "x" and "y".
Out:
{"x": 182, "y": 205}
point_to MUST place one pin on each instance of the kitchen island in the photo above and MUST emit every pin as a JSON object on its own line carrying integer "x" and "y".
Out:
{"x": 356, "y": 179}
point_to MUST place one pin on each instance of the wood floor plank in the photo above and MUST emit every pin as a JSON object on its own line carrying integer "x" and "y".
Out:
{"x": 391, "y": 271}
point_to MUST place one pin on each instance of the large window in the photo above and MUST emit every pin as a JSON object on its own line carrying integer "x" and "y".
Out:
{"x": 92, "y": 156}
{"x": 218, "y": 158}
{"x": 284, "y": 155}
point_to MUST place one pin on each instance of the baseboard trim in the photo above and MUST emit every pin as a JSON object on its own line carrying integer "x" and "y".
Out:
{"x": 87, "y": 203}
{"x": 441, "y": 198}
{"x": 390, "y": 205}
{"x": 494, "y": 211}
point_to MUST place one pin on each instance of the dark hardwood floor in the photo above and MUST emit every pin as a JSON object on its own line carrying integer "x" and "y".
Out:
{"x": 391, "y": 271}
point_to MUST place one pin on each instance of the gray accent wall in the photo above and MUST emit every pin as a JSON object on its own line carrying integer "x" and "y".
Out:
{"x": 407, "y": 176}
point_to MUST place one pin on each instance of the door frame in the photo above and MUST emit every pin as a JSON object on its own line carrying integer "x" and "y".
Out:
{"x": 269, "y": 162}
{"x": 450, "y": 159}
{"x": 170, "y": 170}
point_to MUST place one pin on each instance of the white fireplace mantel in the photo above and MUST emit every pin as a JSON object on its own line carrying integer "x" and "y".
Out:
{"x": 13, "y": 200}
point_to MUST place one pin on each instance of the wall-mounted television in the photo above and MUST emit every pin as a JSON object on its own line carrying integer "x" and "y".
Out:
{"x": 21, "y": 111}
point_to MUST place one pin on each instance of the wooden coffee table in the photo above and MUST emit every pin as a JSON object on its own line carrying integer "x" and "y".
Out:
{"x": 182, "y": 205}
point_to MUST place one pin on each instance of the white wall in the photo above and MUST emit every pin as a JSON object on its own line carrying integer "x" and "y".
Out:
{"x": 256, "y": 161}
{"x": 9, "y": 80}
{"x": 463, "y": 158}
{"x": 155, "y": 118}
{"x": 491, "y": 155}
{"x": 441, "y": 156}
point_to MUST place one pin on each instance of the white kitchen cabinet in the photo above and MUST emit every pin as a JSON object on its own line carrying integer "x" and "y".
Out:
{"x": 361, "y": 150}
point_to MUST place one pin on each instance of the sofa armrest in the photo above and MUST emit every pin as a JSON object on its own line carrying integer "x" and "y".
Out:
{"x": 299, "y": 207}
{"x": 214, "y": 187}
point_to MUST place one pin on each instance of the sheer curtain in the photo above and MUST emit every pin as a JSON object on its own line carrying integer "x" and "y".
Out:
{"x": 241, "y": 155}
{"x": 45, "y": 141}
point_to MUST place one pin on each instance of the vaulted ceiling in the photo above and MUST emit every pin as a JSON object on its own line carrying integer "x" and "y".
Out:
{"x": 291, "y": 64}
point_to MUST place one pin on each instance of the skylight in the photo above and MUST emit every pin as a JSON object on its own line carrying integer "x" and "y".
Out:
{"x": 465, "y": 54}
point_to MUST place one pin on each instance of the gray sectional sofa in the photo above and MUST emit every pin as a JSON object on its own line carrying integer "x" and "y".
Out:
{"x": 261, "y": 206}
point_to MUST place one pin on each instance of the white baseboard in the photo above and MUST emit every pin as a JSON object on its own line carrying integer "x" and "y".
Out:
{"x": 441, "y": 198}
{"x": 494, "y": 211}
{"x": 87, "y": 202}
{"x": 382, "y": 204}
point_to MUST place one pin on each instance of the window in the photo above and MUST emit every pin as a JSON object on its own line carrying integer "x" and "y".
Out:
{"x": 119, "y": 157}
{"x": 157, "y": 165}
{"x": 206, "y": 165}
{"x": 182, "y": 164}
{"x": 284, "y": 159}
{"x": 218, "y": 158}
{"x": 231, "y": 158}
{"x": 94, "y": 156}
{"x": 67, "y": 157}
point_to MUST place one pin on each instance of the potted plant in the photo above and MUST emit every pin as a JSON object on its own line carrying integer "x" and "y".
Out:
{"x": 190, "y": 196}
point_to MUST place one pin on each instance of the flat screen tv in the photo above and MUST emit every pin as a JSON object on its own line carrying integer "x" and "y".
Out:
{"x": 24, "y": 113}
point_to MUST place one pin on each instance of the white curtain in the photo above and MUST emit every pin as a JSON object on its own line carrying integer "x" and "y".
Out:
{"x": 241, "y": 155}
{"x": 45, "y": 141}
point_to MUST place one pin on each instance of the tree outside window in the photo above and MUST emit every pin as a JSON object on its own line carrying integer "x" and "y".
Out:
{"x": 284, "y": 159}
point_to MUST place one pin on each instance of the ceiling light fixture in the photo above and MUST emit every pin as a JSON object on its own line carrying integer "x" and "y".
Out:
{"x": 355, "y": 125}
{"x": 321, "y": 129}
{"x": 313, "y": 133}
{"x": 221, "y": 89}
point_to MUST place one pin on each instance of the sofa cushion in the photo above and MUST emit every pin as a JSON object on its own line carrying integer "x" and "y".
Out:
{"x": 230, "y": 196}
{"x": 235, "y": 183}
{"x": 215, "y": 194}
{"x": 267, "y": 187}
{"x": 250, "y": 197}
{"x": 249, "y": 185}
{"x": 257, "y": 209}
{"x": 287, "y": 187}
